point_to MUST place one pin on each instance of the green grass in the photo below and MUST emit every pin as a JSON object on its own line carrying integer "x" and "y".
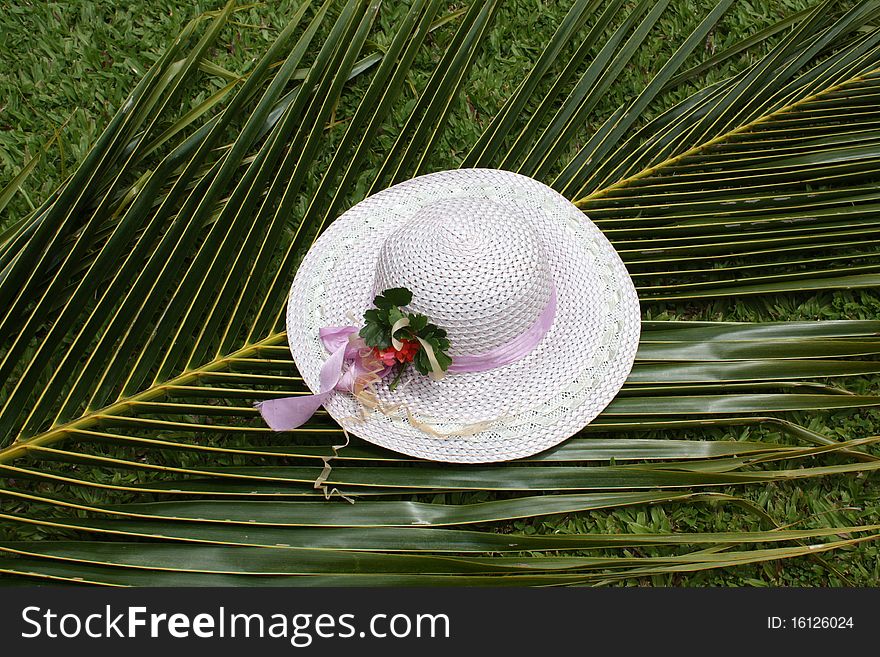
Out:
{"x": 65, "y": 67}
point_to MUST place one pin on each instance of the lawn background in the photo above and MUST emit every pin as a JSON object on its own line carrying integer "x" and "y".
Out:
{"x": 66, "y": 67}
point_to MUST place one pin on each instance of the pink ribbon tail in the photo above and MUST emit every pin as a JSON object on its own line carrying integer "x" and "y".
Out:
{"x": 291, "y": 412}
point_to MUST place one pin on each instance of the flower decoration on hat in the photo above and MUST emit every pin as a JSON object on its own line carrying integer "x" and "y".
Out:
{"x": 398, "y": 338}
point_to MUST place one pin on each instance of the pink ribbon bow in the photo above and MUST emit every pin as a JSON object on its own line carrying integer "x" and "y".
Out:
{"x": 344, "y": 345}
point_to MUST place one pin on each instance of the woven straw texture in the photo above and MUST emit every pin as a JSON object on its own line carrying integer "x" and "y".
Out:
{"x": 482, "y": 251}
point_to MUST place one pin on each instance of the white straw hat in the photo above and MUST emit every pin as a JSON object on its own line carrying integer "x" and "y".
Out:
{"x": 488, "y": 255}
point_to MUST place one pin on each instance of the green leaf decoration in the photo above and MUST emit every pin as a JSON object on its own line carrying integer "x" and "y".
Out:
{"x": 376, "y": 330}
{"x": 394, "y": 315}
{"x": 417, "y": 322}
{"x": 396, "y": 296}
{"x": 729, "y": 153}
{"x": 420, "y": 362}
{"x": 376, "y": 335}
{"x": 439, "y": 345}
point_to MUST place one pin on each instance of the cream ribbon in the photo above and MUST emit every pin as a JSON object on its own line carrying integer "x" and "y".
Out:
{"x": 399, "y": 324}
{"x": 437, "y": 372}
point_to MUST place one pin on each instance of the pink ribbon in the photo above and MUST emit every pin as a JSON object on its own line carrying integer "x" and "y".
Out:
{"x": 341, "y": 341}
{"x": 510, "y": 351}
{"x": 344, "y": 345}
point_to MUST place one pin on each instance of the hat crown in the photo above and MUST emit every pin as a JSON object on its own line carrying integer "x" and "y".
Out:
{"x": 476, "y": 267}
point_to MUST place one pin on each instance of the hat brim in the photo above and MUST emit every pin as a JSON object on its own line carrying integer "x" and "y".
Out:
{"x": 506, "y": 413}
